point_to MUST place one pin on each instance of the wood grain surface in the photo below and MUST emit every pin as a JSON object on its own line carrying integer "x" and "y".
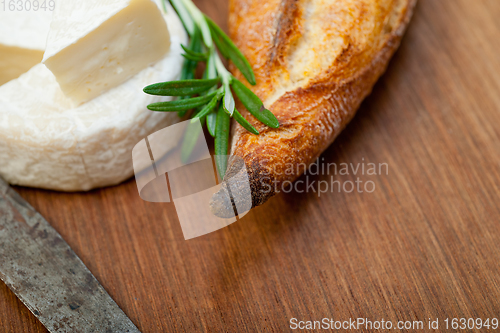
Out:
{"x": 424, "y": 244}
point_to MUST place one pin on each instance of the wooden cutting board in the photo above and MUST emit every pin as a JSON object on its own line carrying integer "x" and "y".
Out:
{"x": 424, "y": 244}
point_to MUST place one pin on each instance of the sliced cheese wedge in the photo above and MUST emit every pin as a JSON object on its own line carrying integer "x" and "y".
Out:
{"x": 45, "y": 142}
{"x": 23, "y": 35}
{"x": 96, "y": 45}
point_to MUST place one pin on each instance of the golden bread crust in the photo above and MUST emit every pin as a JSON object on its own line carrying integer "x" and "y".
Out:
{"x": 315, "y": 61}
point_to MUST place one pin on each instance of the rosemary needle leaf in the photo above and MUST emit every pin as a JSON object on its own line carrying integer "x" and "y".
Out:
{"x": 208, "y": 108}
{"x": 254, "y": 105}
{"x": 229, "y": 104}
{"x": 205, "y": 32}
{"x": 197, "y": 55}
{"x": 187, "y": 72}
{"x": 191, "y": 136}
{"x": 182, "y": 104}
{"x": 193, "y": 58}
{"x": 212, "y": 122}
{"x": 243, "y": 122}
{"x": 181, "y": 88}
{"x": 196, "y": 43}
{"x": 221, "y": 141}
{"x": 211, "y": 70}
{"x": 229, "y": 50}
{"x": 189, "y": 67}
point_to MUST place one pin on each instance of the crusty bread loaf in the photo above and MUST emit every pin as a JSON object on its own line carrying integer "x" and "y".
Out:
{"x": 315, "y": 61}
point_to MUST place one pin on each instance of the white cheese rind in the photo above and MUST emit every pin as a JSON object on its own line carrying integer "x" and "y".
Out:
{"x": 45, "y": 142}
{"x": 96, "y": 45}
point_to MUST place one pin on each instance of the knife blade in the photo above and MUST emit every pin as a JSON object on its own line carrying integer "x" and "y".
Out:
{"x": 48, "y": 277}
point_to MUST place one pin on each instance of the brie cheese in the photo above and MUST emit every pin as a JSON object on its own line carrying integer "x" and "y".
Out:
{"x": 96, "y": 45}
{"x": 23, "y": 35}
{"x": 46, "y": 142}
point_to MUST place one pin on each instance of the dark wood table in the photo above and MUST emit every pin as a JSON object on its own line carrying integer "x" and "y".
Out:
{"x": 425, "y": 244}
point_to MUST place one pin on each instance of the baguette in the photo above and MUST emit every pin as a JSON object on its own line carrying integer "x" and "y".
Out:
{"x": 315, "y": 61}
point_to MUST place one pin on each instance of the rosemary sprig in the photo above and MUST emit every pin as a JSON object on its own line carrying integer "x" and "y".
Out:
{"x": 213, "y": 104}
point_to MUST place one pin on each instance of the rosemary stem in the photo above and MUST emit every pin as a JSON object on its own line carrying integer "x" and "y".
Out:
{"x": 199, "y": 19}
{"x": 224, "y": 73}
{"x": 184, "y": 16}
{"x": 211, "y": 64}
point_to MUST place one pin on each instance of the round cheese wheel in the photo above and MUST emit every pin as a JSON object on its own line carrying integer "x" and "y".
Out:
{"x": 47, "y": 142}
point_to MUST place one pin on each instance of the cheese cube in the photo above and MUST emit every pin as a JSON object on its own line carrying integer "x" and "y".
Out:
{"x": 23, "y": 35}
{"x": 96, "y": 45}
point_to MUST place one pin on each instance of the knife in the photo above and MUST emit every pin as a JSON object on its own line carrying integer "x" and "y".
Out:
{"x": 48, "y": 277}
